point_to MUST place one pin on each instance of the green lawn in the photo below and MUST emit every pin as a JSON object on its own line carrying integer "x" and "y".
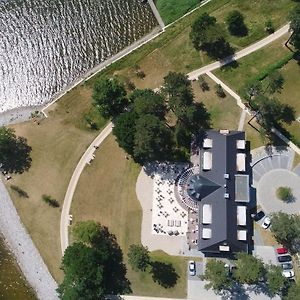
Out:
{"x": 171, "y": 10}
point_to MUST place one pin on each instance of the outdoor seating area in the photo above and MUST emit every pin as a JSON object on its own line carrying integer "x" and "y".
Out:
{"x": 168, "y": 216}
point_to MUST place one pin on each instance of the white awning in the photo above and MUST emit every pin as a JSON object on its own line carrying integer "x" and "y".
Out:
{"x": 241, "y": 144}
{"x": 207, "y": 214}
{"x": 207, "y": 143}
{"x": 206, "y": 233}
{"x": 241, "y": 212}
{"x": 241, "y": 162}
{"x": 242, "y": 235}
{"x": 207, "y": 161}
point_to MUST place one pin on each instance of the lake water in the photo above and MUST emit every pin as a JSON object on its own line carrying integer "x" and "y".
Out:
{"x": 47, "y": 44}
{"x": 12, "y": 284}
{"x": 44, "y": 46}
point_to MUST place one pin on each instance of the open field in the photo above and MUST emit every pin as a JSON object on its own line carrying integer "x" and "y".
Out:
{"x": 106, "y": 193}
{"x": 221, "y": 118}
{"x": 57, "y": 144}
{"x": 172, "y": 10}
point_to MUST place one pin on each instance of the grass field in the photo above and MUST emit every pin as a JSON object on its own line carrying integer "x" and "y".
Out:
{"x": 106, "y": 193}
{"x": 171, "y": 10}
{"x": 57, "y": 144}
{"x": 221, "y": 118}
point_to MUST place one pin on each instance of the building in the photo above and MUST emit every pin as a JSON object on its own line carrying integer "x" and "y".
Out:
{"x": 218, "y": 187}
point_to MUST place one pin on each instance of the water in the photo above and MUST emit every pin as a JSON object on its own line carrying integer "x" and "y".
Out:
{"x": 47, "y": 44}
{"x": 12, "y": 284}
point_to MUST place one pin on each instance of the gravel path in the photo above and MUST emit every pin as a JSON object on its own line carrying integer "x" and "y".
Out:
{"x": 27, "y": 256}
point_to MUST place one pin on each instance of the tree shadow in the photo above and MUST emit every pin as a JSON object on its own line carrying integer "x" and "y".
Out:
{"x": 232, "y": 64}
{"x": 164, "y": 274}
{"x": 236, "y": 292}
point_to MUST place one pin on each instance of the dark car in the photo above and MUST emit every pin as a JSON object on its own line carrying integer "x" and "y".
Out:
{"x": 258, "y": 216}
{"x": 284, "y": 258}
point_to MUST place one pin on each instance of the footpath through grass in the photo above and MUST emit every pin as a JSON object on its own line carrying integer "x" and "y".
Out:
{"x": 171, "y": 10}
{"x": 249, "y": 67}
{"x": 106, "y": 193}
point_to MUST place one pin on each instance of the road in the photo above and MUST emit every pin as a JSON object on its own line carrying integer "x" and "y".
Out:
{"x": 64, "y": 221}
{"x": 246, "y": 51}
{"x": 86, "y": 158}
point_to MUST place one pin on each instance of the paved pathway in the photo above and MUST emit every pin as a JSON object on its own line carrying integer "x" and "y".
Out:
{"x": 266, "y": 191}
{"x": 248, "y": 50}
{"x": 242, "y": 120}
{"x": 86, "y": 157}
{"x": 156, "y": 14}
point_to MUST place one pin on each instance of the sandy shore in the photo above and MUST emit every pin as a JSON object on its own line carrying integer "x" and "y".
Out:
{"x": 18, "y": 115}
{"x": 28, "y": 258}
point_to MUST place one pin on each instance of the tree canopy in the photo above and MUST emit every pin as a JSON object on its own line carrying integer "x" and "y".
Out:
{"x": 148, "y": 102}
{"x": 93, "y": 265}
{"x": 275, "y": 82}
{"x": 217, "y": 276}
{"x": 286, "y": 230}
{"x": 293, "y": 292}
{"x": 125, "y": 129}
{"x": 249, "y": 269}
{"x": 276, "y": 282}
{"x": 14, "y": 151}
{"x": 138, "y": 257}
{"x": 109, "y": 96}
{"x": 235, "y": 23}
{"x": 153, "y": 140}
{"x": 295, "y": 26}
{"x": 208, "y": 36}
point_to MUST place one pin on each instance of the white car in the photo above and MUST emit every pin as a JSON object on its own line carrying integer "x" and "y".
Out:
{"x": 288, "y": 273}
{"x": 266, "y": 222}
{"x": 192, "y": 268}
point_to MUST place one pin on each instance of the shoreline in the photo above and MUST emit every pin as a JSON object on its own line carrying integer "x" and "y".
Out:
{"x": 22, "y": 247}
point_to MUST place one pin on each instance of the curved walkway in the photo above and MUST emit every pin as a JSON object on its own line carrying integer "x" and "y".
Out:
{"x": 27, "y": 255}
{"x": 86, "y": 158}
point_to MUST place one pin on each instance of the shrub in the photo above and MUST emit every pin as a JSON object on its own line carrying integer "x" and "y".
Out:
{"x": 219, "y": 91}
{"x": 20, "y": 192}
{"x": 50, "y": 201}
{"x": 203, "y": 84}
{"x": 269, "y": 27}
{"x": 284, "y": 193}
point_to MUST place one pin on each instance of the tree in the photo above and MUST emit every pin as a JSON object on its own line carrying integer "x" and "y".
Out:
{"x": 109, "y": 97}
{"x": 275, "y": 82}
{"x": 207, "y": 35}
{"x": 251, "y": 89}
{"x": 269, "y": 27}
{"x": 93, "y": 266}
{"x": 217, "y": 275}
{"x": 203, "y": 84}
{"x": 295, "y": 26}
{"x": 125, "y": 129}
{"x": 153, "y": 140}
{"x": 275, "y": 280}
{"x": 148, "y": 102}
{"x": 272, "y": 112}
{"x": 235, "y": 23}
{"x": 14, "y": 151}
{"x": 249, "y": 269}
{"x": 293, "y": 292}
{"x": 138, "y": 257}
{"x": 219, "y": 91}
{"x": 284, "y": 193}
{"x": 286, "y": 230}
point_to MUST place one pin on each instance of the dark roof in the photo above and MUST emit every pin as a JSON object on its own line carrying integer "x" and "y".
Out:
{"x": 224, "y": 208}
{"x": 198, "y": 187}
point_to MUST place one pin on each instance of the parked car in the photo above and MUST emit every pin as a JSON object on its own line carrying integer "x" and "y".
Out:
{"x": 258, "y": 216}
{"x": 266, "y": 222}
{"x": 192, "y": 268}
{"x": 288, "y": 273}
{"x": 282, "y": 250}
{"x": 287, "y": 266}
{"x": 284, "y": 258}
